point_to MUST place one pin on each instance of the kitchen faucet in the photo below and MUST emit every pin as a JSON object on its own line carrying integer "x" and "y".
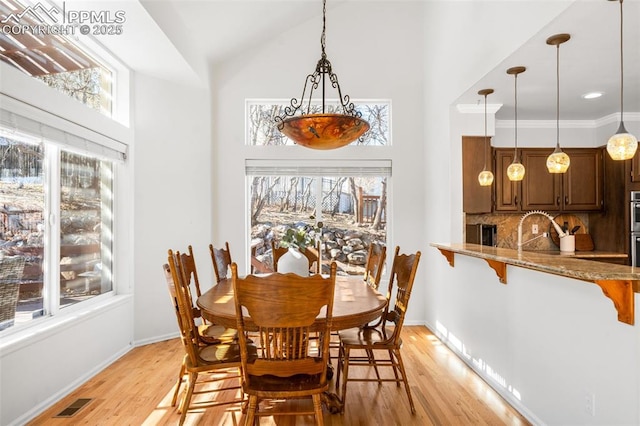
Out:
{"x": 561, "y": 233}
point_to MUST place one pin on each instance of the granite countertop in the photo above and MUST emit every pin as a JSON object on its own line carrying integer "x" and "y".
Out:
{"x": 574, "y": 265}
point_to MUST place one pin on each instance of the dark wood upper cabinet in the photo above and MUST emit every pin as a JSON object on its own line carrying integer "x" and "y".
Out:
{"x": 635, "y": 167}
{"x": 583, "y": 184}
{"x": 579, "y": 190}
{"x": 475, "y": 198}
{"x": 541, "y": 190}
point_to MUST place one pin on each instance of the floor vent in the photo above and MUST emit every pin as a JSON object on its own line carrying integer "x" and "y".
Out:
{"x": 74, "y": 407}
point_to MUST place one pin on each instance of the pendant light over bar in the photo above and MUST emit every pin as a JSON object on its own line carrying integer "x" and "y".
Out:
{"x": 321, "y": 130}
{"x": 558, "y": 161}
{"x": 516, "y": 170}
{"x": 622, "y": 145}
{"x": 485, "y": 178}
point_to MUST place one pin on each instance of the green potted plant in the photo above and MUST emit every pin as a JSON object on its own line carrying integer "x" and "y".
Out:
{"x": 296, "y": 240}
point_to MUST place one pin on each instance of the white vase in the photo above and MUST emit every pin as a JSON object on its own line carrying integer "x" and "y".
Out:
{"x": 293, "y": 261}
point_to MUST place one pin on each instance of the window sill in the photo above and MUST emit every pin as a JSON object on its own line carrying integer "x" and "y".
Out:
{"x": 44, "y": 327}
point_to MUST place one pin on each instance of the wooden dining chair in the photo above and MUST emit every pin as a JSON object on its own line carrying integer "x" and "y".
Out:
{"x": 291, "y": 363}
{"x": 208, "y": 332}
{"x": 375, "y": 264}
{"x": 376, "y": 257}
{"x": 384, "y": 338}
{"x": 311, "y": 253}
{"x": 222, "y": 359}
{"x": 221, "y": 259}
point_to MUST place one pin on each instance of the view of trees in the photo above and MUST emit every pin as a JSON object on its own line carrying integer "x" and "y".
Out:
{"x": 352, "y": 207}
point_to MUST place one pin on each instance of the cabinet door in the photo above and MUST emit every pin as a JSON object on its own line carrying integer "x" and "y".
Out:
{"x": 475, "y": 198}
{"x": 583, "y": 184}
{"x": 541, "y": 190}
{"x": 635, "y": 167}
{"x": 507, "y": 193}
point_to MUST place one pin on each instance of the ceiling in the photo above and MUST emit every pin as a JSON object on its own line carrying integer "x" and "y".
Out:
{"x": 589, "y": 61}
{"x": 210, "y": 31}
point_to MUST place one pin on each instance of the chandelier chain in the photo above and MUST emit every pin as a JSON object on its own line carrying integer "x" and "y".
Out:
{"x": 323, "y": 41}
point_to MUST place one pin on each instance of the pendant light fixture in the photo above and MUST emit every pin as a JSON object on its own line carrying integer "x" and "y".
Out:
{"x": 321, "y": 130}
{"x": 485, "y": 178}
{"x": 515, "y": 171}
{"x": 558, "y": 161}
{"x": 622, "y": 145}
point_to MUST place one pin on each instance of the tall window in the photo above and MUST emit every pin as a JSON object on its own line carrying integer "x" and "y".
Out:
{"x": 351, "y": 203}
{"x": 56, "y": 221}
{"x": 38, "y": 39}
{"x": 348, "y": 197}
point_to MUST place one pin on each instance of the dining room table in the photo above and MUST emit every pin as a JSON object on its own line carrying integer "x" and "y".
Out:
{"x": 355, "y": 303}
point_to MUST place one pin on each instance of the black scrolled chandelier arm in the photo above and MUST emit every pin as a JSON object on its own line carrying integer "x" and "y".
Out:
{"x": 323, "y": 68}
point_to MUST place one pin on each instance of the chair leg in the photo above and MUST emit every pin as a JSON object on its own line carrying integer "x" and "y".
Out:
{"x": 186, "y": 401}
{"x": 395, "y": 367}
{"x": 345, "y": 365}
{"x": 317, "y": 408}
{"x": 339, "y": 367}
{"x": 403, "y": 373}
{"x": 372, "y": 361}
{"x": 251, "y": 411}
{"x": 178, "y": 385}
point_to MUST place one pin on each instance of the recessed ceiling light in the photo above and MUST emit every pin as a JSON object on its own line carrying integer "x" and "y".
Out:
{"x": 592, "y": 95}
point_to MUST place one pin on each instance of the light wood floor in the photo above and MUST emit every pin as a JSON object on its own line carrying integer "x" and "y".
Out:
{"x": 137, "y": 390}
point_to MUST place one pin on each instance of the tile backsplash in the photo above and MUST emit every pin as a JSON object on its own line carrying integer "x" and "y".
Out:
{"x": 507, "y": 229}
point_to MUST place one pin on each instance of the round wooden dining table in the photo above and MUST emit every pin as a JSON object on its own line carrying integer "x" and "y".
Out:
{"x": 354, "y": 304}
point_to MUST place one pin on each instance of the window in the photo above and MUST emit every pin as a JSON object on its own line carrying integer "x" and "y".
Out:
{"x": 56, "y": 221}
{"x": 349, "y": 198}
{"x": 39, "y": 39}
{"x": 261, "y": 129}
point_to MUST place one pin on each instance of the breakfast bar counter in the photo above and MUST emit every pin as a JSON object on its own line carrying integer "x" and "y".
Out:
{"x": 618, "y": 282}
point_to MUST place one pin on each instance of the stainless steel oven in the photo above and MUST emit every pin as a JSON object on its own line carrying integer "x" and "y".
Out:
{"x": 635, "y": 249}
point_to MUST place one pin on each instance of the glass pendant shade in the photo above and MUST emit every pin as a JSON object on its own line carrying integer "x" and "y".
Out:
{"x": 558, "y": 162}
{"x": 485, "y": 178}
{"x": 622, "y": 145}
{"x": 515, "y": 171}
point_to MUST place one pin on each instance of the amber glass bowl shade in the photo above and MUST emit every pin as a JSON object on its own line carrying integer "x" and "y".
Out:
{"x": 324, "y": 131}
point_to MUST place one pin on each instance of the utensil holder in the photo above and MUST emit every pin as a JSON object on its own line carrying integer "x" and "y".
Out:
{"x": 568, "y": 244}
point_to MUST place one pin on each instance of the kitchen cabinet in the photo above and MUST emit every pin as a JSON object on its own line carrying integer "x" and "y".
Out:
{"x": 635, "y": 168}
{"x": 583, "y": 184}
{"x": 475, "y": 198}
{"x": 580, "y": 189}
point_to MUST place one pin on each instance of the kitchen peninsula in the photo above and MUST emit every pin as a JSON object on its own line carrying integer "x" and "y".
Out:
{"x": 618, "y": 282}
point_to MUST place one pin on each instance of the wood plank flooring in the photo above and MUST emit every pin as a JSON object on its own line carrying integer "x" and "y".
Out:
{"x": 137, "y": 390}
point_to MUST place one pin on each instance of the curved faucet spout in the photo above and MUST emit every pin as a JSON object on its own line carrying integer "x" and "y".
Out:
{"x": 559, "y": 230}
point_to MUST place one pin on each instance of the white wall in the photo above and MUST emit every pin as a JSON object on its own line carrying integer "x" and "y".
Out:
{"x": 42, "y": 364}
{"x": 377, "y": 53}
{"x": 547, "y": 339}
{"x": 172, "y": 194}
